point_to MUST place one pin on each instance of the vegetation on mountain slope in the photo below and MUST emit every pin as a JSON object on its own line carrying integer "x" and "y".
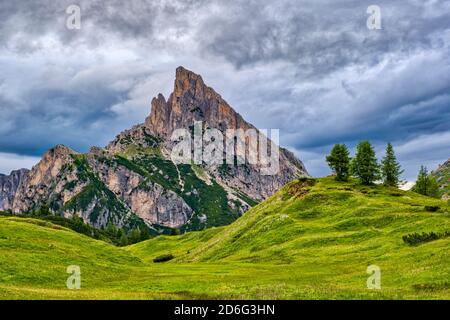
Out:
{"x": 208, "y": 200}
{"x": 202, "y": 193}
{"x": 313, "y": 239}
{"x": 442, "y": 176}
{"x": 426, "y": 184}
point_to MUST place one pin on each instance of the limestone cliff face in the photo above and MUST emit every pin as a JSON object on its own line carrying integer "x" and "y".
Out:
{"x": 133, "y": 180}
{"x": 442, "y": 175}
{"x": 147, "y": 199}
{"x": 8, "y": 187}
{"x": 43, "y": 181}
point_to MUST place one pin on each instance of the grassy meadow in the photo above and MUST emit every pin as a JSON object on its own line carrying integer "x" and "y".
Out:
{"x": 314, "y": 239}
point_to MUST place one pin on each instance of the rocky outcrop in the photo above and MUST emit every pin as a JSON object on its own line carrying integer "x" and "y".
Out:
{"x": 149, "y": 200}
{"x": 442, "y": 175}
{"x": 134, "y": 181}
{"x": 45, "y": 182}
{"x": 8, "y": 187}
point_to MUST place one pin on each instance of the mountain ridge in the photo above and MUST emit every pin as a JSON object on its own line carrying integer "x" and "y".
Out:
{"x": 133, "y": 182}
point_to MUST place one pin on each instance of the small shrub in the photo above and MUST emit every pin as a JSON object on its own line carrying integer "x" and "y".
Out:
{"x": 163, "y": 258}
{"x": 396, "y": 194}
{"x": 432, "y": 286}
{"x": 432, "y": 208}
{"x": 418, "y": 238}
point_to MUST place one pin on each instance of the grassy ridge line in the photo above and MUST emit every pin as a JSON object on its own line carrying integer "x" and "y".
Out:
{"x": 330, "y": 214}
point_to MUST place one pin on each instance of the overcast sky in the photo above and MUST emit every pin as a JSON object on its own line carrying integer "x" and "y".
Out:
{"x": 310, "y": 68}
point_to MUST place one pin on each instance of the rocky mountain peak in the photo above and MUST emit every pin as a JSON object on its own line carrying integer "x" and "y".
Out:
{"x": 191, "y": 100}
{"x": 51, "y": 164}
{"x": 188, "y": 82}
{"x": 134, "y": 181}
{"x": 61, "y": 149}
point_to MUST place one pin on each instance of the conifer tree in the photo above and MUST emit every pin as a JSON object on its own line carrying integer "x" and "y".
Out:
{"x": 426, "y": 184}
{"x": 365, "y": 165}
{"x": 390, "y": 168}
{"x": 123, "y": 240}
{"x": 339, "y": 161}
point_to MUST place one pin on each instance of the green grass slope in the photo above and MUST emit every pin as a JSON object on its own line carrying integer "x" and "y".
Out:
{"x": 308, "y": 241}
{"x": 35, "y": 254}
{"x": 323, "y": 237}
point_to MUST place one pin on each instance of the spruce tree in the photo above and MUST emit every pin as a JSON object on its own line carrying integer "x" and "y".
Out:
{"x": 339, "y": 161}
{"x": 365, "y": 165}
{"x": 111, "y": 229}
{"x": 145, "y": 234}
{"x": 426, "y": 184}
{"x": 433, "y": 187}
{"x": 390, "y": 168}
{"x": 123, "y": 240}
{"x": 134, "y": 236}
{"x": 421, "y": 185}
{"x": 44, "y": 211}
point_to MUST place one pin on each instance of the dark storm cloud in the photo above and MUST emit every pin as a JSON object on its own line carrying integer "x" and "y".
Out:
{"x": 310, "y": 68}
{"x": 321, "y": 36}
{"x": 22, "y": 21}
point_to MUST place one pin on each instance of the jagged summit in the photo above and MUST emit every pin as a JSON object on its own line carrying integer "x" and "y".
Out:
{"x": 60, "y": 150}
{"x": 191, "y": 100}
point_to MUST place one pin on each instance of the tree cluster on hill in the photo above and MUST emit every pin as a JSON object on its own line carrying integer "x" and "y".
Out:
{"x": 124, "y": 237}
{"x": 365, "y": 165}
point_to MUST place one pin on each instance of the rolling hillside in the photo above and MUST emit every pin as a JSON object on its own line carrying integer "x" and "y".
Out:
{"x": 312, "y": 240}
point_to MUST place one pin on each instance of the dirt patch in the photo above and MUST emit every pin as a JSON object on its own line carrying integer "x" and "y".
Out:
{"x": 301, "y": 188}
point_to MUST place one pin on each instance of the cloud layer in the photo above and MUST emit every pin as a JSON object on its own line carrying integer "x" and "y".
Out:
{"x": 311, "y": 68}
